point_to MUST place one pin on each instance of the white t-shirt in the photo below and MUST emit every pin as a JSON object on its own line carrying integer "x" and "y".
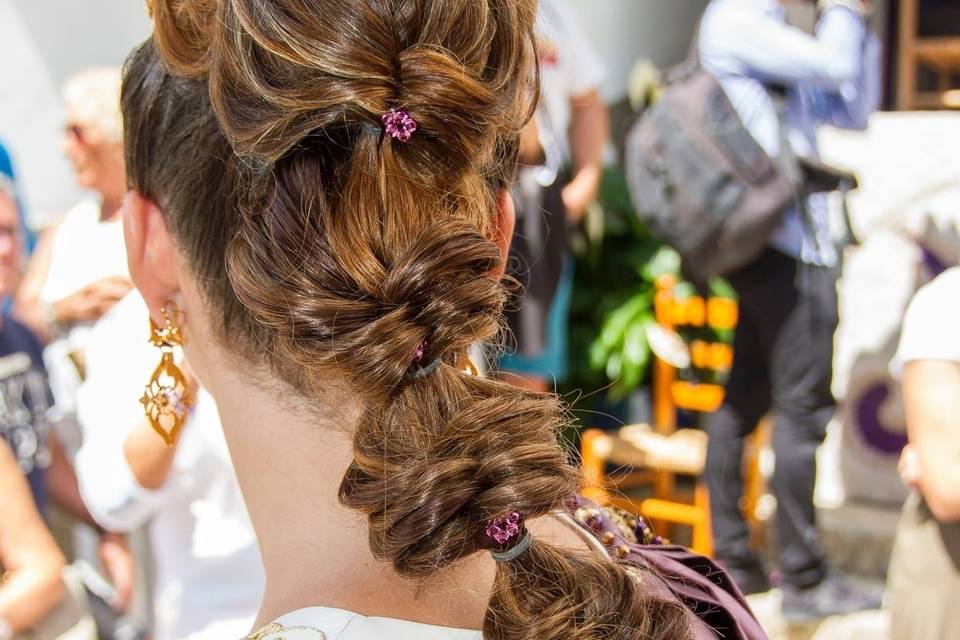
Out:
{"x": 569, "y": 68}
{"x": 84, "y": 251}
{"x": 931, "y": 326}
{"x": 209, "y": 576}
{"x": 323, "y": 623}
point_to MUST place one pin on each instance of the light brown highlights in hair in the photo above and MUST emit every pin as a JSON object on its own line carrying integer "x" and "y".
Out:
{"x": 349, "y": 249}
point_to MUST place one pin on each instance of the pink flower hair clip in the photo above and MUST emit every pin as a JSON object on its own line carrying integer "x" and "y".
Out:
{"x": 399, "y": 124}
{"x": 508, "y": 531}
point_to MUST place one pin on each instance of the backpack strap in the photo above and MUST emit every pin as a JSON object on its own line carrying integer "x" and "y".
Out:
{"x": 789, "y": 165}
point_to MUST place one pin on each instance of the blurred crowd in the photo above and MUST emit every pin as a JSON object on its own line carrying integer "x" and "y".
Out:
{"x": 158, "y": 538}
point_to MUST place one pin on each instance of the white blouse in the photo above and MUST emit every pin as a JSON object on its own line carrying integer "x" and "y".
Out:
{"x": 323, "y": 623}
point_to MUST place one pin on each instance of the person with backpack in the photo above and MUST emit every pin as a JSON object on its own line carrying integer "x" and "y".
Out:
{"x": 783, "y": 83}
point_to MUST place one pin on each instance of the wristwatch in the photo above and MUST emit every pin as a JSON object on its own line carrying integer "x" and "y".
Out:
{"x": 857, "y": 6}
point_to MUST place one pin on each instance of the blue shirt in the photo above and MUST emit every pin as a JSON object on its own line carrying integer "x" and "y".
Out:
{"x": 832, "y": 77}
{"x": 25, "y": 403}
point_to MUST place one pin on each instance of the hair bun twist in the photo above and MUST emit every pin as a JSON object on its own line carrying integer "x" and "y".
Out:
{"x": 183, "y": 33}
{"x": 351, "y": 250}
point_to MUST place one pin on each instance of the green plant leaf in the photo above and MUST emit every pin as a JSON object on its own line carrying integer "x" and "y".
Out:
{"x": 614, "y": 363}
{"x": 665, "y": 261}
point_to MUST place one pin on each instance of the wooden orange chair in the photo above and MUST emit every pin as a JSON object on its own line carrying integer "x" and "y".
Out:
{"x": 660, "y": 453}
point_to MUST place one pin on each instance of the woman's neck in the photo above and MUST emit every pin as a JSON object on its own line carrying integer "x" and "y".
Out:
{"x": 290, "y": 462}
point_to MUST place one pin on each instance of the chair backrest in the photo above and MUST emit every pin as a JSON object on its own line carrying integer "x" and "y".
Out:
{"x": 676, "y": 314}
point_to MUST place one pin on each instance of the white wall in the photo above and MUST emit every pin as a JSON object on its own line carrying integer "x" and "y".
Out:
{"x": 58, "y": 37}
{"x": 45, "y": 42}
{"x": 74, "y": 34}
{"x": 627, "y": 30}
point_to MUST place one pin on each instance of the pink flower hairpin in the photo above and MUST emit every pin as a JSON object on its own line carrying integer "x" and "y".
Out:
{"x": 511, "y": 536}
{"x": 399, "y": 124}
{"x": 503, "y": 529}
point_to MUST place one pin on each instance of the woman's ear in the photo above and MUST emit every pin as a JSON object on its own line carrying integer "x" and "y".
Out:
{"x": 151, "y": 253}
{"x": 504, "y": 222}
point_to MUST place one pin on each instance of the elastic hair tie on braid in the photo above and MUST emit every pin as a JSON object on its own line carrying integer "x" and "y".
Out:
{"x": 418, "y": 355}
{"x": 510, "y": 534}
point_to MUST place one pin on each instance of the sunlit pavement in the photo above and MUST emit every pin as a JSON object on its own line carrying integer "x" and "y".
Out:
{"x": 872, "y": 625}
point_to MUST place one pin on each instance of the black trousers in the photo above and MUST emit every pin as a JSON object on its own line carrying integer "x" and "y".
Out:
{"x": 783, "y": 361}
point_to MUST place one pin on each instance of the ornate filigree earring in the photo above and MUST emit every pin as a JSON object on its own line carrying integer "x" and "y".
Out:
{"x": 167, "y": 399}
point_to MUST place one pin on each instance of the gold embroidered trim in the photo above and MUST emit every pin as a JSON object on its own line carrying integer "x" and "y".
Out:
{"x": 273, "y": 630}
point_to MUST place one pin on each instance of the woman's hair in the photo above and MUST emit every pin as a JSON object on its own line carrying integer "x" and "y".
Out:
{"x": 340, "y": 255}
{"x": 94, "y": 96}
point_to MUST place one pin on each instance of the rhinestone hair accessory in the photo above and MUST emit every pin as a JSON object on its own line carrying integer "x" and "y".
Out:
{"x": 508, "y": 531}
{"x": 399, "y": 125}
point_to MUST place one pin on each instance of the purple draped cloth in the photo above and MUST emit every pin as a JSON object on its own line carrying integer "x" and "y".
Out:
{"x": 718, "y": 608}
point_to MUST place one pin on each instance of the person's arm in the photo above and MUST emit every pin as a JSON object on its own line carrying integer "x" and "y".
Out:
{"x": 62, "y": 485}
{"x": 148, "y": 456}
{"x": 931, "y": 395}
{"x": 113, "y": 551}
{"x": 119, "y": 363}
{"x": 531, "y": 151}
{"x": 32, "y": 585}
{"x": 779, "y": 54}
{"x": 589, "y": 131}
{"x": 851, "y": 107}
{"x": 123, "y": 465}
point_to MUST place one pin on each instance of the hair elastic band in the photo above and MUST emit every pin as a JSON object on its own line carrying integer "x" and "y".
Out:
{"x": 515, "y": 551}
{"x": 504, "y": 530}
{"x": 372, "y": 129}
{"x": 423, "y": 372}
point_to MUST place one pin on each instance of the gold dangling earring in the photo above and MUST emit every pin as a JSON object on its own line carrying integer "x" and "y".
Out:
{"x": 167, "y": 399}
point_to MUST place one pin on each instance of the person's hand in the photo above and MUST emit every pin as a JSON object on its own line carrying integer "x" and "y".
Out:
{"x": 119, "y": 567}
{"x": 909, "y": 467}
{"x": 91, "y": 302}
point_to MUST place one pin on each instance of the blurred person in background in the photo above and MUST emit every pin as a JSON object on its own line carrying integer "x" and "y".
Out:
{"x": 25, "y": 396}
{"x": 78, "y": 270}
{"x": 208, "y": 577}
{"x": 924, "y": 577}
{"x": 6, "y": 171}
{"x": 26, "y": 413}
{"x": 788, "y": 297}
{"x": 561, "y": 166}
{"x": 30, "y": 561}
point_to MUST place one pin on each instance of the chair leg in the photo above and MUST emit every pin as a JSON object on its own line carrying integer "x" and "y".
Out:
{"x": 665, "y": 488}
{"x": 593, "y": 463}
{"x": 702, "y": 532}
{"x": 755, "y": 483}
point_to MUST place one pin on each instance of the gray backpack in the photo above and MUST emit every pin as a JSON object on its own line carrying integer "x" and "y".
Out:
{"x": 700, "y": 181}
